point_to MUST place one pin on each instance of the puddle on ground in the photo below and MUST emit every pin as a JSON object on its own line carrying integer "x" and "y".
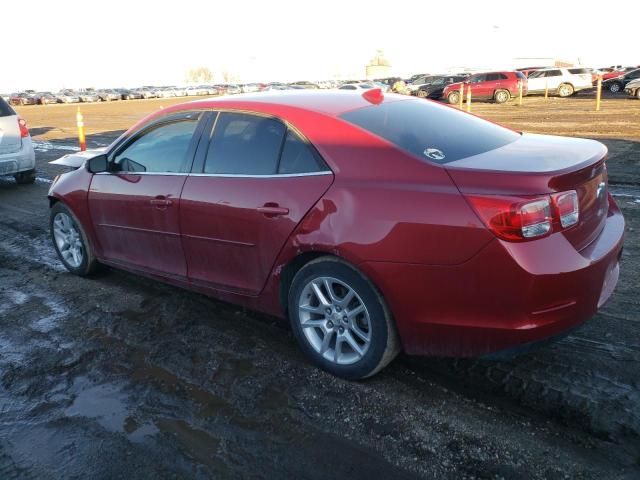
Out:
{"x": 106, "y": 404}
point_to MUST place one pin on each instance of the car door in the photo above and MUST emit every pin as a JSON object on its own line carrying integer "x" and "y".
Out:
{"x": 250, "y": 187}
{"x": 135, "y": 206}
{"x": 554, "y": 78}
{"x": 537, "y": 81}
{"x": 478, "y": 86}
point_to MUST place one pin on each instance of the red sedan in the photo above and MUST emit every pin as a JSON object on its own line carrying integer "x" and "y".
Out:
{"x": 374, "y": 222}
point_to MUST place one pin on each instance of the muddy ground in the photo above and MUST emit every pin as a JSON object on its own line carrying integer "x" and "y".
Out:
{"x": 122, "y": 377}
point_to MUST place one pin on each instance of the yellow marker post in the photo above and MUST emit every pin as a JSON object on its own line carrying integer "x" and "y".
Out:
{"x": 80, "y": 125}
{"x": 546, "y": 90}
{"x": 520, "y": 87}
{"x": 469, "y": 99}
{"x": 461, "y": 96}
{"x": 598, "y": 93}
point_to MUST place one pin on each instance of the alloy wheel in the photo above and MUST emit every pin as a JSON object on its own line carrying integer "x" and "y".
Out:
{"x": 68, "y": 240}
{"x": 335, "y": 320}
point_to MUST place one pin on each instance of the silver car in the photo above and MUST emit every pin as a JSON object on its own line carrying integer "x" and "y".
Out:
{"x": 17, "y": 157}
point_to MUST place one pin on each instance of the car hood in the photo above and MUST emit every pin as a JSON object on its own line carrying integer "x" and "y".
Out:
{"x": 76, "y": 160}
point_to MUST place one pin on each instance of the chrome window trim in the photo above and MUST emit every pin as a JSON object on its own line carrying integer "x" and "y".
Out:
{"x": 224, "y": 175}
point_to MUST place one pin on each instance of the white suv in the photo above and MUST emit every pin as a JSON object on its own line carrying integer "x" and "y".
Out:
{"x": 17, "y": 157}
{"x": 561, "y": 81}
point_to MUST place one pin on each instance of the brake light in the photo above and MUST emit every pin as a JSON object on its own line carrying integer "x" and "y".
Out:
{"x": 24, "y": 131}
{"x": 566, "y": 205}
{"x": 525, "y": 218}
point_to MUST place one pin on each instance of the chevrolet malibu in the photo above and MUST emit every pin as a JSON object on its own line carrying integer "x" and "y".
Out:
{"x": 374, "y": 222}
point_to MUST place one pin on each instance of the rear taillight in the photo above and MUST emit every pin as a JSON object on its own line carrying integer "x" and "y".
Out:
{"x": 24, "y": 131}
{"x": 524, "y": 218}
{"x": 567, "y": 209}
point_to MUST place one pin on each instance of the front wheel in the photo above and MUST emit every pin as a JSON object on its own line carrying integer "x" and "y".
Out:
{"x": 454, "y": 98}
{"x": 615, "y": 87}
{"x": 340, "y": 320}
{"x": 422, "y": 94}
{"x": 70, "y": 241}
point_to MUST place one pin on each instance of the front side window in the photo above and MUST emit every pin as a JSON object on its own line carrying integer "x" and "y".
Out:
{"x": 478, "y": 78}
{"x": 162, "y": 149}
{"x": 244, "y": 144}
{"x": 348, "y": 87}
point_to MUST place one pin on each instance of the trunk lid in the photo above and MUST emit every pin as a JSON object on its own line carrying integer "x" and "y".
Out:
{"x": 542, "y": 164}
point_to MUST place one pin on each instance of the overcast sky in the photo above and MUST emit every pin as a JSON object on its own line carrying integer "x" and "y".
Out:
{"x": 53, "y": 44}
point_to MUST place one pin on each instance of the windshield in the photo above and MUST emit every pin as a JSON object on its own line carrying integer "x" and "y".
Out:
{"x": 430, "y": 131}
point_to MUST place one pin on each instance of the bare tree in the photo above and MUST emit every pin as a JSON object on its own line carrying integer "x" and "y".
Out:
{"x": 199, "y": 75}
{"x": 229, "y": 77}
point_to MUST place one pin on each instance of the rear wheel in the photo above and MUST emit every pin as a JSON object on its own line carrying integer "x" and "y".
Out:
{"x": 501, "y": 96}
{"x": 565, "y": 90}
{"x": 454, "y": 98}
{"x": 25, "y": 178}
{"x": 70, "y": 241}
{"x": 340, "y": 320}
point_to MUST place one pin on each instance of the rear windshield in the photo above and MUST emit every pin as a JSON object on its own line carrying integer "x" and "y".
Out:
{"x": 5, "y": 109}
{"x": 431, "y": 131}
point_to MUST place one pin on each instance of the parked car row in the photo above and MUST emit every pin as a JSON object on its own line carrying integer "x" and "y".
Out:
{"x": 503, "y": 85}
{"x": 498, "y": 86}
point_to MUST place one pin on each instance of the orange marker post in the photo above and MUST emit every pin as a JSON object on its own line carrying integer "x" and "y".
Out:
{"x": 461, "y": 96}
{"x": 598, "y": 93}
{"x": 80, "y": 124}
{"x": 469, "y": 99}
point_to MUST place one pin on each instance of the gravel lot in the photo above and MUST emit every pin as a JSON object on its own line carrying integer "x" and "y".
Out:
{"x": 122, "y": 377}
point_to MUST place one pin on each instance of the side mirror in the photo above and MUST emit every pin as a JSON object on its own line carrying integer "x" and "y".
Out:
{"x": 98, "y": 164}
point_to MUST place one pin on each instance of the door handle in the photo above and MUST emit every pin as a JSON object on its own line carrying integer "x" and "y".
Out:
{"x": 272, "y": 210}
{"x": 160, "y": 201}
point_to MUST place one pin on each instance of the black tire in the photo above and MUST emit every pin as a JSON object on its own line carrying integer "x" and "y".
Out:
{"x": 25, "y": 178}
{"x": 501, "y": 96}
{"x": 89, "y": 263}
{"x": 638, "y": 93}
{"x": 454, "y": 98}
{"x": 384, "y": 342}
{"x": 615, "y": 87}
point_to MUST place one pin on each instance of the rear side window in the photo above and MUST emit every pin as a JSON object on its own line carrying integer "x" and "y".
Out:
{"x": 578, "y": 71}
{"x": 299, "y": 157}
{"x": 245, "y": 144}
{"x": 430, "y": 131}
{"x": 554, "y": 73}
{"x": 5, "y": 109}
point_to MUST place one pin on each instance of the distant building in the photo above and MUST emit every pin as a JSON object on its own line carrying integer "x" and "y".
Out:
{"x": 379, "y": 67}
{"x": 527, "y": 62}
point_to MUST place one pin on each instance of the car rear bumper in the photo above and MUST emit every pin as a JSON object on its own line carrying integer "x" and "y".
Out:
{"x": 508, "y": 295}
{"x": 20, "y": 161}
